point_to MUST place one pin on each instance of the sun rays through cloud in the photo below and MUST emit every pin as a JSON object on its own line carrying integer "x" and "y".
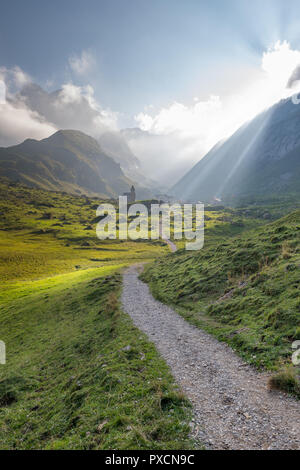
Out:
{"x": 179, "y": 132}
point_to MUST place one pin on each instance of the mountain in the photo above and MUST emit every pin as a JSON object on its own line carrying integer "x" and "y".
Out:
{"x": 68, "y": 161}
{"x": 64, "y": 111}
{"x": 115, "y": 145}
{"x": 261, "y": 159}
{"x": 163, "y": 157}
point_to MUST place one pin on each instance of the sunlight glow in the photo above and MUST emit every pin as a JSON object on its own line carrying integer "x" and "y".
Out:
{"x": 2, "y": 92}
{"x": 217, "y": 118}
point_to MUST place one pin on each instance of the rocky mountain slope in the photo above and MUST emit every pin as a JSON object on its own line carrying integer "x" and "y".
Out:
{"x": 261, "y": 159}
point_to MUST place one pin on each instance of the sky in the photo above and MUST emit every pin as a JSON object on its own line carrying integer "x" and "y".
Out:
{"x": 186, "y": 73}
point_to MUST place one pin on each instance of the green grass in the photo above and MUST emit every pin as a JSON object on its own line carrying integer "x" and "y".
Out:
{"x": 79, "y": 375}
{"x": 287, "y": 380}
{"x": 46, "y": 233}
{"x": 259, "y": 271}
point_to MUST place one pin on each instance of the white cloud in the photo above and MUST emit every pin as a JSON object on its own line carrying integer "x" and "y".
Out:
{"x": 193, "y": 129}
{"x": 164, "y": 158}
{"x": 2, "y": 92}
{"x": 219, "y": 117}
{"x": 38, "y": 114}
{"x": 20, "y": 77}
{"x": 193, "y": 120}
{"x": 82, "y": 64}
{"x": 20, "y": 123}
{"x": 279, "y": 62}
{"x": 15, "y": 76}
{"x": 17, "y": 121}
{"x": 95, "y": 116}
{"x": 172, "y": 138}
{"x": 69, "y": 94}
{"x": 294, "y": 78}
{"x": 74, "y": 107}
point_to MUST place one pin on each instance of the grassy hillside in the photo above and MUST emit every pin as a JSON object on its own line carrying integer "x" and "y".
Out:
{"x": 79, "y": 375}
{"x": 245, "y": 290}
{"x": 46, "y": 233}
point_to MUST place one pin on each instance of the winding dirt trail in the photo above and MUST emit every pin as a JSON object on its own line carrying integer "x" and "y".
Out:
{"x": 233, "y": 408}
{"x": 172, "y": 245}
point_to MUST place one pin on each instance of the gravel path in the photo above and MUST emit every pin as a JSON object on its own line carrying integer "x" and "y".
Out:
{"x": 172, "y": 245}
{"x": 233, "y": 408}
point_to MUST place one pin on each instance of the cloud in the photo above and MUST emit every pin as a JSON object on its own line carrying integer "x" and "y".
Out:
{"x": 17, "y": 121}
{"x": 180, "y": 134}
{"x": 21, "y": 78}
{"x": 163, "y": 158}
{"x": 71, "y": 107}
{"x": 15, "y": 77}
{"x": 294, "y": 78}
{"x": 168, "y": 140}
{"x": 176, "y": 137}
{"x": 20, "y": 123}
{"x": 38, "y": 113}
{"x": 186, "y": 120}
{"x": 82, "y": 64}
{"x": 219, "y": 116}
{"x": 279, "y": 62}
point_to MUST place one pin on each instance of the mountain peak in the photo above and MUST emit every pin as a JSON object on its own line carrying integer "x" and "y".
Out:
{"x": 69, "y": 134}
{"x": 70, "y": 138}
{"x": 68, "y": 160}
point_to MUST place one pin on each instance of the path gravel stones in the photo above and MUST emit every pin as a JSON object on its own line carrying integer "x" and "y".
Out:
{"x": 172, "y": 245}
{"x": 233, "y": 408}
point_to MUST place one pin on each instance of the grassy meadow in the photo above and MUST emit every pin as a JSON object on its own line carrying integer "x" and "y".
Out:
{"x": 78, "y": 375}
{"x": 244, "y": 289}
{"x": 46, "y": 233}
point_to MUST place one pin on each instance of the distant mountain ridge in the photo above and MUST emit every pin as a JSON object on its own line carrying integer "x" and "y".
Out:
{"x": 68, "y": 161}
{"x": 115, "y": 145}
{"x": 261, "y": 159}
{"x": 79, "y": 114}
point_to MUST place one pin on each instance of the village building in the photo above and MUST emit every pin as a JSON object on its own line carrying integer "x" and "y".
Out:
{"x": 130, "y": 196}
